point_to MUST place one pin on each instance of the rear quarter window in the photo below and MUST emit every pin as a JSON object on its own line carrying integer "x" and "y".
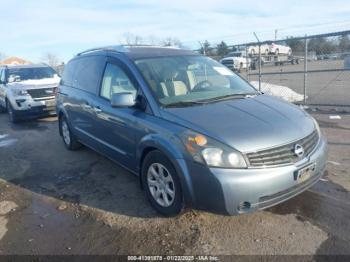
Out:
{"x": 67, "y": 75}
{"x": 88, "y": 73}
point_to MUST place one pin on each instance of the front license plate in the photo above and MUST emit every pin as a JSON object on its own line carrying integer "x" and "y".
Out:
{"x": 50, "y": 103}
{"x": 305, "y": 173}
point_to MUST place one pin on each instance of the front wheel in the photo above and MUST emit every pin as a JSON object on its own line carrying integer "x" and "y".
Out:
{"x": 161, "y": 184}
{"x": 11, "y": 112}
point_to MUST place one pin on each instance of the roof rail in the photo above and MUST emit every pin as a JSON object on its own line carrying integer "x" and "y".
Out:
{"x": 114, "y": 48}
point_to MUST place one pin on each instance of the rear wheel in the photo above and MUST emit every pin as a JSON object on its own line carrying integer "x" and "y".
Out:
{"x": 69, "y": 139}
{"x": 11, "y": 112}
{"x": 161, "y": 184}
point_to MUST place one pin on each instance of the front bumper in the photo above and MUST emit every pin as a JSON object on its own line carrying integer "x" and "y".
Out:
{"x": 25, "y": 107}
{"x": 235, "y": 191}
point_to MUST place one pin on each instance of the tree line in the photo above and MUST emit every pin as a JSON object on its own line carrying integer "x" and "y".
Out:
{"x": 320, "y": 46}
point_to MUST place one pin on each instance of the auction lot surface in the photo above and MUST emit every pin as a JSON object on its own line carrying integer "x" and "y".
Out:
{"x": 53, "y": 201}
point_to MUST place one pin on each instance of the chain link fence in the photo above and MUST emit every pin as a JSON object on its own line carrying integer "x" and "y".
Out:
{"x": 310, "y": 70}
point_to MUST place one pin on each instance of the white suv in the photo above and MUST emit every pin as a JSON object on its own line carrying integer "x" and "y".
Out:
{"x": 28, "y": 91}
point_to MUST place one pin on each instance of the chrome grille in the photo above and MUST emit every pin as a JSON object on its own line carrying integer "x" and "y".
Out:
{"x": 42, "y": 92}
{"x": 283, "y": 154}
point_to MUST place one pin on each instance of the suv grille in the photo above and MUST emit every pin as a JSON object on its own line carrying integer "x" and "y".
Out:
{"x": 41, "y": 93}
{"x": 283, "y": 154}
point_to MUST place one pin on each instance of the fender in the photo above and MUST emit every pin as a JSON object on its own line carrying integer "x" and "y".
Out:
{"x": 173, "y": 148}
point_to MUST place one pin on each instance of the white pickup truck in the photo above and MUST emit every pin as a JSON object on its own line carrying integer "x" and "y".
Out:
{"x": 236, "y": 60}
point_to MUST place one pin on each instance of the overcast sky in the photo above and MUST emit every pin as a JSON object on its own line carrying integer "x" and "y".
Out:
{"x": 31, "y": 28}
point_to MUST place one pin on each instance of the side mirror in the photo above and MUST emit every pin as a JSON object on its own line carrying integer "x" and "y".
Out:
{"x": 122, "y": 100}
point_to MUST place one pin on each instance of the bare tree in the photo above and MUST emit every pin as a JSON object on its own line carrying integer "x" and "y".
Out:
{"x": 171, "y": 41}
{"x": 51, "y": 59}
{"x": 131, "y": 39}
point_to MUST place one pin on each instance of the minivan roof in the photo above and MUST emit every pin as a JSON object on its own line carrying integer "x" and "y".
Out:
{"x": 141, "y": 51}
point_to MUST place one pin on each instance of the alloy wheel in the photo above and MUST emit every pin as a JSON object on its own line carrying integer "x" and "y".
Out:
{"x": 161, "y": 184}
{"x": 65, "y": 132}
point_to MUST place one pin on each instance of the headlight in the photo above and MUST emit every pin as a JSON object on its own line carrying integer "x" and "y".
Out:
{"x": 210, "y": 152}
{"x": 19, "y": 92}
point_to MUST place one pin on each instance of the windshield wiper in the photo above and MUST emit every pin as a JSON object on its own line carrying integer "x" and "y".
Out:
{"x": 227, "y": 97}
{"x": 184, "y": 104}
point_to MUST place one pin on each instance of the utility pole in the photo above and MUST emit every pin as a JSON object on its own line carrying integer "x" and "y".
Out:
{"x": 276, "y": 35}
{"x": 259, "y": 61}
{"x": 200, "y": 43}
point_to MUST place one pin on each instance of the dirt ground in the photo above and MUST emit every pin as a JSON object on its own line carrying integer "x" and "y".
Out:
{"x": 53, "y": 201}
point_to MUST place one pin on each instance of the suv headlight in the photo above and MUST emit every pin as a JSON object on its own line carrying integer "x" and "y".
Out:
{"x": 208, "y": 151}
{"x": 19, "y": 92}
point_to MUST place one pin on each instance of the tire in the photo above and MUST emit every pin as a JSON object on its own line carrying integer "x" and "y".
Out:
{"x": 155, "y": 184}
{"x": 69, "y": 139}
{"x": 11, "y": 113}
{"x": 2, "y": 109}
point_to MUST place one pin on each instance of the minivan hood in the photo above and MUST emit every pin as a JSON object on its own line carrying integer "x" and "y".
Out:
{"x": 248, "y": 124}
{"x": 36, "y": 83}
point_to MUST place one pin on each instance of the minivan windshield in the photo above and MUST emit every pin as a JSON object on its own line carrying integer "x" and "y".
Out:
{"x": 32, "y": 73}
{"x": 184, "y": 80}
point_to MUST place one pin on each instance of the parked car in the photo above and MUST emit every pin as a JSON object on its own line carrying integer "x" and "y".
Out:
{"x": 28, "y": 91}
{"x": 279, "y": 49}
{"x": 195, "y": 133}
{"x": 236, "y": 60}
{"x": 254, "y": 49}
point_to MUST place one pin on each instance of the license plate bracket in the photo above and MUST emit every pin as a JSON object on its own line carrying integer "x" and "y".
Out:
{"x": 304, "y": 173}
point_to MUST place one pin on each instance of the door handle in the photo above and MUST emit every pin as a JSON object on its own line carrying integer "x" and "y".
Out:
{"x": 97, "y": 109}
{"x": 86, "y": 106}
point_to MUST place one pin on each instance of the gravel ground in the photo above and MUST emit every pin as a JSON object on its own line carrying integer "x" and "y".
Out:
{"x": 53, "y": 201}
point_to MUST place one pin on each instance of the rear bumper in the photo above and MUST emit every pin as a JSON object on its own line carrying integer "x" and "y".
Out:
{"x": 236, "y": 191}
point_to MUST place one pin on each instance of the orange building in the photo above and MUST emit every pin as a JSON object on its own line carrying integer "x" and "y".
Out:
{"x": 13, "y": 60}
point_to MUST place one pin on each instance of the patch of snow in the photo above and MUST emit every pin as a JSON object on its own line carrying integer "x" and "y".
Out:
{"x": 7, "y": 142}
{"x": 335, "y": 117}
{"x": 279, "y": 91}
{"x": 3, "y": 136}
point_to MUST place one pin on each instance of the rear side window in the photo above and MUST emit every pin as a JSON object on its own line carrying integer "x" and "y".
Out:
{"x": 88, "y": 73}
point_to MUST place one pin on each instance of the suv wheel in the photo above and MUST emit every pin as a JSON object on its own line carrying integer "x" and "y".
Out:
{"x": 2, "y": 109}
{"x": 162, "y": 185}
{"x": 12, "y": 116}
{"x": 68, "y": 137}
